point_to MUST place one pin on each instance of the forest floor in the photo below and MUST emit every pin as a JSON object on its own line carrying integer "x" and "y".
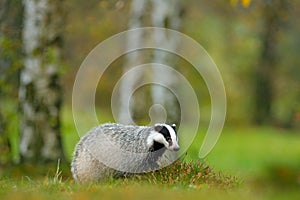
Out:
{"x": 246, "y": 163}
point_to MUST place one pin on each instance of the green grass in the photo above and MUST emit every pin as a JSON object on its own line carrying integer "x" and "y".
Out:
{"x": 181, "y": 179}
{"x": 251, "y": 150}
{"x": 246, "y": 163}
{"x": 28, "y": 189}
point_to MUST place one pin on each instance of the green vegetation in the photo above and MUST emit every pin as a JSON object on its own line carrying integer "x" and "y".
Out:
{"x": 48, "y": 189}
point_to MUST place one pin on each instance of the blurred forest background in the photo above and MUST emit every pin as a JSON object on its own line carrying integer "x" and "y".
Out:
{"x": 255, "y": 45}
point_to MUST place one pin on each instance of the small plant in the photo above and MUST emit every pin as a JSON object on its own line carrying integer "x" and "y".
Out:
{"x": 57, "y": 177}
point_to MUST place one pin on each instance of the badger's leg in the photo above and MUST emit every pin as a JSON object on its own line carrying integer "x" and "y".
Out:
{"x": 86, "y": 168}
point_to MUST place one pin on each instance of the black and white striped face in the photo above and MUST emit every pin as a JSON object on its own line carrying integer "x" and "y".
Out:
{"x": 166, "y": 135}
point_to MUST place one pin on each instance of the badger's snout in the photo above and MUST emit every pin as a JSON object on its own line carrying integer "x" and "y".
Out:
{"x": 174, "y": 147}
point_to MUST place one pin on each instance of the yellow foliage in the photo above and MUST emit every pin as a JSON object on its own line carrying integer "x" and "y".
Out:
{"x": 245, "y": 3}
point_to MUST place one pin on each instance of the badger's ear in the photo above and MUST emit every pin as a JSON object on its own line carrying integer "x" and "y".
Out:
{"x": 174, "y": 126}
{"x": 157, "y": 127}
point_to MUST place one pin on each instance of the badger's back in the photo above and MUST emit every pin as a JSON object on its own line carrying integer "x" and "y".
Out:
{"x": 126, "y": 137}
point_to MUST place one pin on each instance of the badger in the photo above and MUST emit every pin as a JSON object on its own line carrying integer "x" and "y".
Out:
{"x": 114, "y": 150}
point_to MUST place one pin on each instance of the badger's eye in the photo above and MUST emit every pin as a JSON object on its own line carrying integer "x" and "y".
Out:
{"x": 169, "y": 140}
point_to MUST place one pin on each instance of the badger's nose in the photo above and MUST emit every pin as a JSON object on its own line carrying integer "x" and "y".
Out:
{"x": 176, "y": 148}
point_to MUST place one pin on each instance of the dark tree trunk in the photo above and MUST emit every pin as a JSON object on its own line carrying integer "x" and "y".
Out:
{"x": 40, "y": 90}
{"x": 10, "y": 55}
{"x": 264, "y": 76}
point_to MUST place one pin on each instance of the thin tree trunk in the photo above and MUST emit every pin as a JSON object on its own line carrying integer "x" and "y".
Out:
{"x": 40, "y": 90}
{"x": 128, "y": 83}
{"x": 165, "y": 14}
{"x": 264, "y": 76}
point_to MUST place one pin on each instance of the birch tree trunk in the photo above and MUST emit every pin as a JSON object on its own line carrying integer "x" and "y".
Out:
{"x": 136, "y": 20}
{"x": 165, "y": 14}
{"x": 10, "y": 55}
{"x": 40, "y": 90}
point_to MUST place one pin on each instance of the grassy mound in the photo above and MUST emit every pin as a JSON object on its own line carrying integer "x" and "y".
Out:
{"x": 189, "y": 174}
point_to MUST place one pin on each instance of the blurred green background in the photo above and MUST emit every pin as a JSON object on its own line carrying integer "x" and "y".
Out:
{"x": 234, "y": 37}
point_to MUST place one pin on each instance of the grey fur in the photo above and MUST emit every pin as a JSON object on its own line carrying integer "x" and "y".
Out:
{"x": 116, "y": 150}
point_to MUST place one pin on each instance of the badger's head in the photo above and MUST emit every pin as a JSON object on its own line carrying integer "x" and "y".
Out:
{"x": 163, "y": 135}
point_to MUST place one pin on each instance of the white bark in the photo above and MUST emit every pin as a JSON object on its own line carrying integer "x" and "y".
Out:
{"x": 132, "y": 59}
{"x": 165, "y": 14}
{"x": 39, "y": 91}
